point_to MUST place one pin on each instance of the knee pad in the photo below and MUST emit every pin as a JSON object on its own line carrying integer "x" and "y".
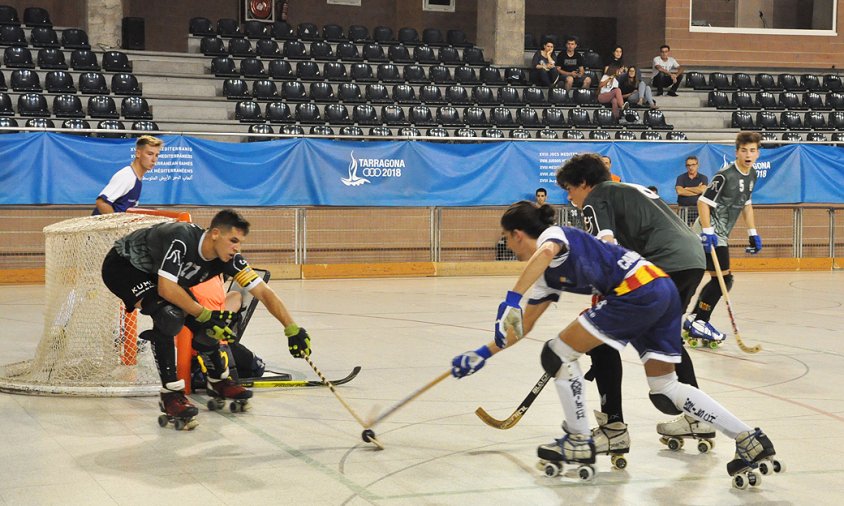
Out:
{"x": 662, "y": 394}
{"x": 168, "y": 320}
{"x": 728, "y": 281}
{"x": 560, "y": 360}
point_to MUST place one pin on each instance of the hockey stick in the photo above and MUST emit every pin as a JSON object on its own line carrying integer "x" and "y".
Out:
{"x": 513, "y": 419}
{"x": 491, "y": 346}
{"x": 743, "y": 347}
{"x": 284, "y": 380}
{"x": 367, "y": 437}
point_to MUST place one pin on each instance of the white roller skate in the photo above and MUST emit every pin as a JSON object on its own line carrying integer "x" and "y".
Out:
{"x": 575, "y": 449}
{"x": 611, "y": 439}
{"x": 753, "y": 451}
{"x": 224, "y": 389}
{"x": 701, "y": 333}
{"x": 177, "y": 409}
{"x": 685, "y": 427}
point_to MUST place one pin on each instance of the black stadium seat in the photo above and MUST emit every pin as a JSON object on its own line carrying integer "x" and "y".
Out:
{"x": 449, "y": 56}
{"x": 766, "y": 100}
{"x": 44, "y": 36}
{"x": 533, "y": 96}
{"x": 255, "y": 29}
{"x": 380, "y": 131}
{"x": 789, "y": 82}
{"x": 466, "y": 75}
{"x": 742, "y": 120}
{"x": 75, "y": 38}
{"x": 815, "y": 120}
{"x": 67, "y": 106}
{"x": 421, "y": 115}
{"x": 404, "y": 94}
{"x": 59, "y": 81}
{"x": 116, "y": 61}
{"x": 527, "y": 117}
{"x": 766, "y": 82}
{"x": 236, "y": 89}
{"x": 227, "y": 27}
{"x": 258, "y": 128}
{"x": 743, "y": 100}
{"x": 398, "y": 53}
{"x": 720, "y": 81}
{"x": 18, "y": 58}
{"x": 378, "y": 94}
{"x": 483, "y": 95}
{"x": 836, "y": 120}
{"x": 239, "y": 47}
{"x": 348, "y": 51}
{"x": 280, "y": 69}
{"x": 248, "y": 112}
{"x": 743, "y": 81}
{"x": 473, "y": 56}
{"x": 92, "y": 83}
{"x": 437, "y": 132}
{"x": 475, "y": 116}
{"x": 281, "y": 30}
{"x": 6, "y": 105}
{"x": 408, "y": 36}
{"x": 493, "y": 133}
{"x": 264, "y": 89}
{"x": 293, "y": 91}
{"x": 448, "y": 116}
{"x": 718, "y": 99}
{"x": 465, "y": 133}
{"x": 361, "y": 72}
{"x": 51, "y": 58}
{"x": 102, "y": 107}
{"x": 457, "y": 38}
{"x": 430, "y": 94}
{"x": 502, "y": 117}
{"x": 36, "y": 16}
{"x": 791, "y": 120}
{"x": 323, "y": 130}
{"x": 267, "y": 48}
{"x": 835, "y": 100}
{"x": 440, "y": 74}
{"x": 790, "y": 100}
{"x": 307, "y": 31}
{"x": 650, "y": 135}
{"x": 352, "y": 130}
{"x": 410, "y": 131}
{"x": 554, "y": 117}
{"x": 252, "y": 67}
{"x": 335, "y": 71}
{"x": 358, "y": 33}
{"x": 365, "y": 114}
{"x": 415, "y": 74}
{"x": 625, "y": 135}
{"x": 457, "y": 95}
{"x": 294, "y": 50}
{"x": 337, "y": 114}
{"x": 676, "y": 136}
{"x": 349, "y": 93}
{"x": 433, "y": 37}
{"x": 12, "y": 36}
{"x": 655, "y": 119}
{"x": 382, "y": 34}
{"x": 308, "y": 71}
{"x": 373, "y": 52}
{"x": 84, "y": 59}
{"x": 292, "y": 130}
{"x": 767, "y": 120}
{"x": 393, "y": 115}
{"x": 579, "y": 118}
{"x": 603, "y": 118}
{"x": 600, "y": 135}
{"x": 424, "y": 54}
{"x": 76, "y": 124}
{"x": 322, "y": 92}
{"x": 40, "y": 123}
{"x": 521, "y": 133}
{"x": 111, "y": 124}
{"x": 308, "y": 113}
{"x": 125, "y": 84}
{"x": 279, "y": 112}
{"x": 200, "y": 26}
{"x": 509, "y": 95}
{"x": 333, "y": 33}
{"x": 212, "y": 46}
{"x": 9, "y": 15}
{"x": 813, "y": 100}
{"x": 321, "y": 50}
{"x": 25, "y": 80}
{"x": 389, "y": 73}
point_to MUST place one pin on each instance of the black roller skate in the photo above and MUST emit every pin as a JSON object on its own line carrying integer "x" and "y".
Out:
{"x": 177, "y": 409}
{"x": 673, "y": 433}
{"x": 223, "y": 389}
{"x": 576, "y": 449}
{"x": 753, "y": 451}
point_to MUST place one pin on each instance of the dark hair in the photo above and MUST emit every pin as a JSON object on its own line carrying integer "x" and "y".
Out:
{"x": 748, "y": 138}
{"x": 572, "y": 38}
{"x": 666, "y": 46}
{"x": 613, "y": 51}
{"x": 583, "y": 168}
{"x": 543, "y": 190}
{"x": 528, "y": 218}
{"x": 692, "y": 157}
{"x": 653, "y": 189}
{"x": 612, "y": 69}
{"x": 635, "y": 78}
{"x": 228, "y": 219}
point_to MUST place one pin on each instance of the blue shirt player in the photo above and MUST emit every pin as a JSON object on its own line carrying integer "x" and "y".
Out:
{"x": 123, "y": 191}
{"x": 641, "y": 306}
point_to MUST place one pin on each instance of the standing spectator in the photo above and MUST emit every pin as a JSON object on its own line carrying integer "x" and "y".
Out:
{"x": 541, "y": 196}
{"x": 635, "y": 91}
{"x": 124, "y": 189}
{"x": 608, "y": 164}
{"x": 543, "y": 62}
{"x": 666, "y": 72}
{"x": 570, "y": 65}
{"x": 609, "y": 91}
{"x": 690, "y": 185}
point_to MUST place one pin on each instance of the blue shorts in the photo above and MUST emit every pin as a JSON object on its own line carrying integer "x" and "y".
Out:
{"x": 647, "y": 317}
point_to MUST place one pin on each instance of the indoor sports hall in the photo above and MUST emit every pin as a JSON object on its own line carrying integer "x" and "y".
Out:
{"x": 303, "y": 201}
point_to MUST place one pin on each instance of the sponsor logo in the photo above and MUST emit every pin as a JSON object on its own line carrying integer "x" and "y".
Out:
{"x": 372, "y": 168}
{"x": 140, "y": 288}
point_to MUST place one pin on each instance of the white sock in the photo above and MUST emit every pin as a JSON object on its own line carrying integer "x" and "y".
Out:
{"x": 574, "y": 403}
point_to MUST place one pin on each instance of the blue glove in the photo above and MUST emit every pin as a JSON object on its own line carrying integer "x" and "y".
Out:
{"x": 469, "y": 362}
{"x": 708, "y": 239}
{"x": 755, "y": 242}
{"x": 509, "y": 316}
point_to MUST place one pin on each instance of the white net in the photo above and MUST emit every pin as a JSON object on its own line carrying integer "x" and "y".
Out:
{"x": 89, "y": 345}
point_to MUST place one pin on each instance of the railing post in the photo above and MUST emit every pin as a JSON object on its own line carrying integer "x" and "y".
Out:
{"x": 301, "y": 247}
{"x": 436, "y": 233}
{"x": 797, "y": 232}
{"x": 831, "y": 232}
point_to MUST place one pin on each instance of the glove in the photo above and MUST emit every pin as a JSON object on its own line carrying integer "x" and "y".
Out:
{"x": 709, "y": 239}
{"x": 754, "y": 240}
{"x": 298, "y": 341}
{"x": 215, "y": 324}
{"x": 470, "y": 362}
{"x": 509, "y": 317}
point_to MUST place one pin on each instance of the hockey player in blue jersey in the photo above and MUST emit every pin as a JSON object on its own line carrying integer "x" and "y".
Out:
{"x": 641, "y": 306}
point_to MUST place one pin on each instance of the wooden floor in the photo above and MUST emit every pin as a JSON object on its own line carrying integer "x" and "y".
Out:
{"x": 300, "y": 446}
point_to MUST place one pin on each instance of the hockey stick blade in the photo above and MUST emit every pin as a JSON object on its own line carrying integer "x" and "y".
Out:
{"x": 270, "y": 382}
{"x": 513, "y": 419}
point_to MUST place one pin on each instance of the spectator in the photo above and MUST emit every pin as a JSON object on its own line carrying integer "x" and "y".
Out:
{"x": 541, "y": 196}
{"x": 635, "y": 91}
{"x": 617, "y": 56}
{"x": 690, "y": 185}
{"x": 570, "y": 65}
{"x": 543, "y": 62}
{"x": 609, "y": 91}
{"x": 666, "y": 72}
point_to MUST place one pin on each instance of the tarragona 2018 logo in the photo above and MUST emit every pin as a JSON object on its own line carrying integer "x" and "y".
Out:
{"x": 370, "y": 168}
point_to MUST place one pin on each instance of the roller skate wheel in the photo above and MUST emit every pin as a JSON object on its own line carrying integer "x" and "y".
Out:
{"x": 694, "y": 343}
{"x": 237, "y": 407}
{"x": 367, "y": 435}
{"x": 771, "y": 466}
{"x": 754, "y": 479}
{"x": 162, "y": 421}
{"x": 713, "y": 345}
{"x": 675, "y": 444}
{"x": 586, "y": 473}
{"x": 179, "y": 424}
{"x": 703, "y": 446}
{"x": 552, "y": 469}
{"x": 619, "y": 461}
{"x": 739, "y": 482}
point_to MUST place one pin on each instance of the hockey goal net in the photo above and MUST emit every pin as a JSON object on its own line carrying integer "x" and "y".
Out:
{"x": 89, "y": 345}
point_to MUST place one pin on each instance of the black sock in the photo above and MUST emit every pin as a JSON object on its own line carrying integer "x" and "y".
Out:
{"x": 606, "y": 367}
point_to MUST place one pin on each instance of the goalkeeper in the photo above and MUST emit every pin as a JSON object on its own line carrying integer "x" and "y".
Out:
{"x": 152, "y": 269}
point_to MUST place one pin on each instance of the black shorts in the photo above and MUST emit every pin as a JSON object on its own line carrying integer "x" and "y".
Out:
{"x": 126, "y": 281}
{"x": 686, "y": 282}
{"x": 723, "y": 254}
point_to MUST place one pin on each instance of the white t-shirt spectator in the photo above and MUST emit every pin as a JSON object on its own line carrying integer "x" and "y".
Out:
{"x": 671, "y": 65}
{"x": 612, "y": 83}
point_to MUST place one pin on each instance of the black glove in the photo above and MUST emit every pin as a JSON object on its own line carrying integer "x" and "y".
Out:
{"x": 298, "y": 341}
{"x": 215, "y": 324}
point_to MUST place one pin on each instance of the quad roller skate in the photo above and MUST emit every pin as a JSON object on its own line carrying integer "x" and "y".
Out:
{"x": 674, "y": 433}
{"x": 754, "y": 451}
{"x": 701, "y": 333}
{"x": 177, "y": 409}
{"x": 574, "y": 449}
{"x": 226, "y": 389}
{"x": 611, "y": 439}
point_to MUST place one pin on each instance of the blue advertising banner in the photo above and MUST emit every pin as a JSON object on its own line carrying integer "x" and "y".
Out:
{"x": 48, "y": 168}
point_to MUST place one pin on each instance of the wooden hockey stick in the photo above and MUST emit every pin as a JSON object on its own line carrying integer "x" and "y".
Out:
{"x": 370, "y": 438}
{"x": 742, "y": 346}
{"x": 513, "y": 419}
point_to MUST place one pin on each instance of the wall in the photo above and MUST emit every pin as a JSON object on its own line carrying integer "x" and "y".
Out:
{"x": 166, "y": 22}
{"x": 641, "y": 30}
{"x": 749, "y": 50}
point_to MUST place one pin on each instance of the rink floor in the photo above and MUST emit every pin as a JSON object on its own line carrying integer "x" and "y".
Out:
{"x": 300, "y": 446}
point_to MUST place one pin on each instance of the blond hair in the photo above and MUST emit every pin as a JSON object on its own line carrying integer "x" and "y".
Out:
{"x": 148, "y": 140}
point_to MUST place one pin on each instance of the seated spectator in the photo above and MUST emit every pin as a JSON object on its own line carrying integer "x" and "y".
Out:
{"x": 635, "y": 91}
{"x": 609, "y": 91}
{"x": 570, "y": 66}
{"x": 543, "y": 62}
{"x": 666, "y": 72}
{"x": 617, "y": 56}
